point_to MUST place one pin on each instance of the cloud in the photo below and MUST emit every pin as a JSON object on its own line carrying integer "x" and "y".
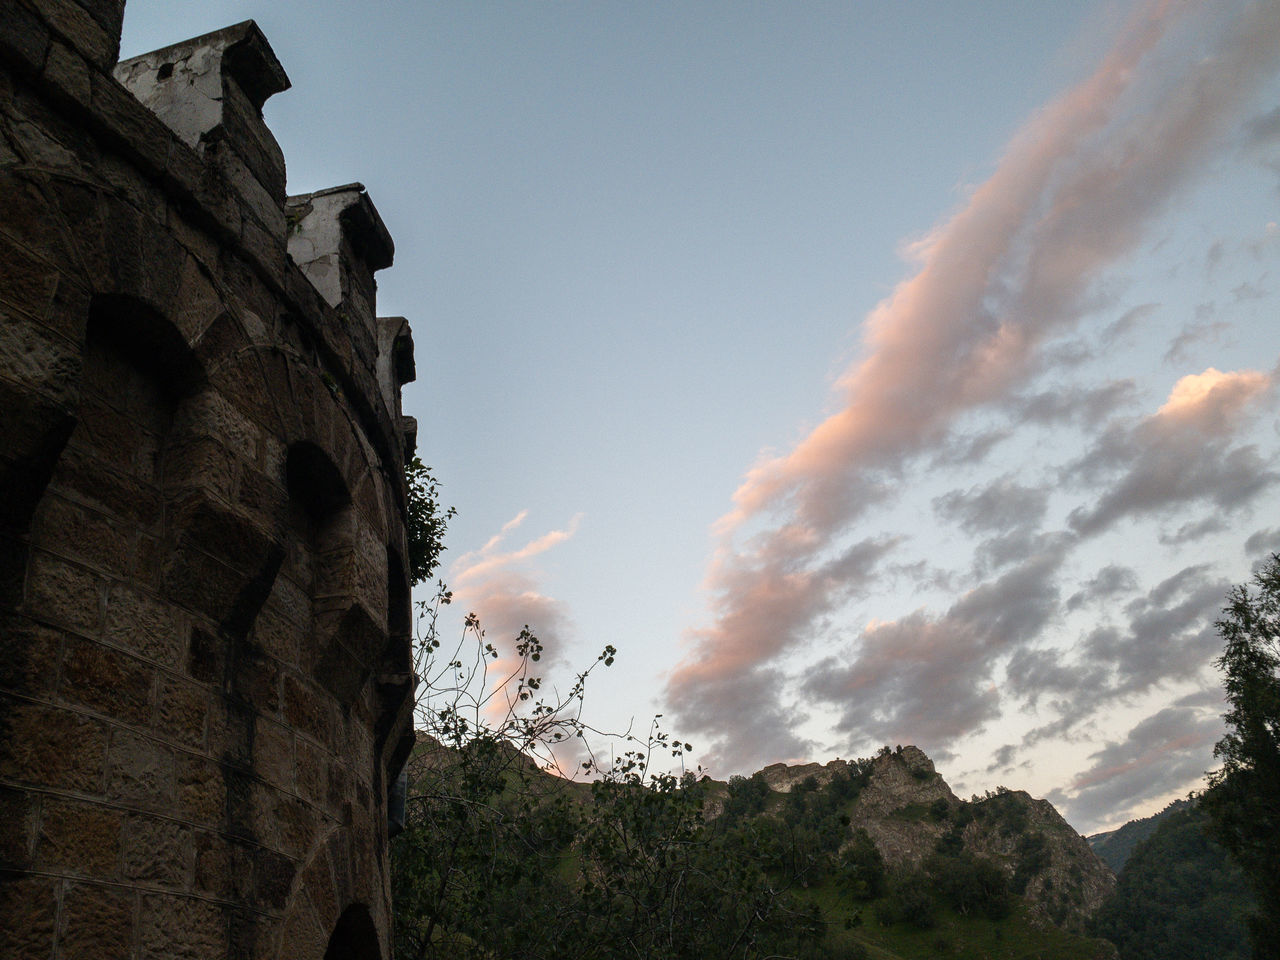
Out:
{"x": 1167, "y": 752}
{"x": 1169, "y": 637}
{"x": 773, "y": 610}
{"x": 1127, "y": 322}
{"x": 1264, "y": 129}
{"x": 1199, "y": 332}
{"x": 1179, "y": 455}
{"x": 1217, "y": 250}
{"x": 1001, "y": 505}
{"x": 1193, "y": 530}
{"x": 503, "y": 591}
{"x": 1263, "y": 541}
{"x": 480, "y": 563}
{"x": 929, "y": 680}
{"x": 1111, "y": 580}
{"x": 1170, "y": 633}
{"x": 968, "y": 450}
{"x": 1086, "y": 406}
{"x": 1248, "y": 291}
{"x": 1013, "y": 270}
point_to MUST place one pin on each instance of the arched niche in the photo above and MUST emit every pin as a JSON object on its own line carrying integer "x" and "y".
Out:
{"x": 348, "y": 635}
{"x": 354, "y": 937}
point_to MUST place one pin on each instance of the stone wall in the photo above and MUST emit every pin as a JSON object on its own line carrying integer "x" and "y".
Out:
{"x": 205, "y": 668}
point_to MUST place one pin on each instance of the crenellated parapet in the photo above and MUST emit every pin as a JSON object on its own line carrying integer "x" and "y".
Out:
{"x": 205, "y": 666}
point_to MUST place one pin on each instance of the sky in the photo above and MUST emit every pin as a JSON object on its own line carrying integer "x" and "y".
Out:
{"x": 866, "y": 373}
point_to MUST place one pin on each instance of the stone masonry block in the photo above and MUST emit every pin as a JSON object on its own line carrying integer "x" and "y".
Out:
{"x": 181, "y": 928}
{"x": 24, "y": 36}
{"x": 84, "y": 33}
{"x": 223, "y": 867}
{"x": 182, "y": 710}
{"x": 141, "y": 772}
{"x": 28, "y": 912}
{"x": 273, "y": 875}
{"x": 29, "y": 281}
{"x": 20, "y": 813}
{"x": 256, "y": 681}
{"x": 305, "y": 710}
{"x": 97, "y": 923}
{"x": 202, "y": 791}
{"x": 302, "y": 935}
{"x": 106, "y": 681}
{"x": 119, "y": 494}
{"x": 158, "y": 852}
{"x": 51, "y": 746}
{"x": 67, "y": 71}
{"x": 79, "y": 838}
{"x": 33, "y": 356}
{"x": 312, "y": 771}
{"x": 65, "y": 593}
{"x": 83, "y": 534}
{"x": 141, "y": 623}
{"x": 29, "y": 656}
{"x": 273, "y": 753}
{"x": 201, "y": 462}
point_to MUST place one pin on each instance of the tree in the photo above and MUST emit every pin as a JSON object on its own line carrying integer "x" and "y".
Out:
{"x": 1243, "y": 799}
{"x": 1179, "y": 896}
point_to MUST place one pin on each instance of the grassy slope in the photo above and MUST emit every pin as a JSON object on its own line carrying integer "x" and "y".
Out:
{"x": 1015, "y": 937}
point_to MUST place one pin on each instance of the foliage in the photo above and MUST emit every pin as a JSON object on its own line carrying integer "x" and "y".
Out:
{"x": 860, "y": 870}
{"x": 1179, "y": 897}
{"x": 1243, "y": 799}
{"x": 427, "y": 521}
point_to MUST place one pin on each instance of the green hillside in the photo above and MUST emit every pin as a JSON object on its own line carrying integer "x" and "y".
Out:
{"x": 1179, "y": 897}
{"x": 870, "y": 858}
{"x": 1115, "y": 846}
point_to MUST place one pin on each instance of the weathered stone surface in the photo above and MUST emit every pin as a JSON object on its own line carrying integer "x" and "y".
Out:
{"x": 80, "y": 838}
{"x": 181, "y": 928}
{"x": 29, "y": 657}
{"x": 86, "y": 34}
{"x": 182, "y": 708}
{"x": 46, "y": 745}
{"x": 140, "y": 772}
{"x": 202, "y": 789}
{"x": 20, "y": 811}
{"x": 29, "y": 905}
{"x": 144, "y": 624}
{"x": 97, "y": 923}
{"x": 157, "y": 851}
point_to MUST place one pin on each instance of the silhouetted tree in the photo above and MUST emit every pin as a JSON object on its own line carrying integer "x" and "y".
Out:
{"x": 1244, "y": 795}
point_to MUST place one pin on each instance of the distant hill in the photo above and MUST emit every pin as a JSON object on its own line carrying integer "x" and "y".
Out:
{"x": 1116, "y": 846}
{"x": 873, "y": 858}
{"x": 1178, "y": 896}
{"x": 910, "y": 814}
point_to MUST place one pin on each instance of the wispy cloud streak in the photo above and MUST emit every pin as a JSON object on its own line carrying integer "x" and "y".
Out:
{"x": 1007, "y": 273}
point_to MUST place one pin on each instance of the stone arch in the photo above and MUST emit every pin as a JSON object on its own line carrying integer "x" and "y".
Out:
{"x": 349, "y": 637}
{"x": 332, "y": 905}
{"x": 132, "y": 372}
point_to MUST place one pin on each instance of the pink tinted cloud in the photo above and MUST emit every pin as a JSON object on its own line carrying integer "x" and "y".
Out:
{"x": 1180, "y": 454}
{"x": 502, "y": 589}
{"x": 1012, "y": 269}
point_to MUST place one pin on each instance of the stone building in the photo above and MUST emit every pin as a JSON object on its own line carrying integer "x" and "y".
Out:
{"x": 205, "y": 671}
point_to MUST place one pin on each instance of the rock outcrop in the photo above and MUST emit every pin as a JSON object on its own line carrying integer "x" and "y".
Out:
{"x": 909, "y": 811}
